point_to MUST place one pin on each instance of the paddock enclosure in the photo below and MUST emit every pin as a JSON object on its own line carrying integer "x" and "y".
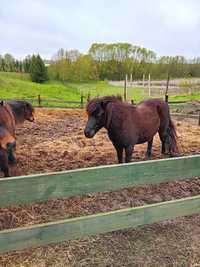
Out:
{"x": 56, "y": 143}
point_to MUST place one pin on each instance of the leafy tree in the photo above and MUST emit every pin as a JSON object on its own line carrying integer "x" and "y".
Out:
{"x": 9, "y": 62}
{"x": 26, "y": 64}
{"x": 38, "y": 70}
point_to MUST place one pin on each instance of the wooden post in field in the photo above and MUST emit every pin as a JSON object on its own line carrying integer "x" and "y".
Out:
{"x": 167, "y": 86}
{"x": 39, "y": 101}
{"x": 81, "y": 101}
{"x": 131, "y": 80}
{"x": 149, "y": 84}
{"x": 125, "y": 88}
{"x": 88, "y": 97}
{"x": 143, "y": 79}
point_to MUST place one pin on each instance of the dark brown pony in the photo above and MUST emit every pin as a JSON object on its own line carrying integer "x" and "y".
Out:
{"x": 22, "y": 111}
{"x": 128, "y": 125}
{"x": 12, "y": 113}
{"x": 7, "y": 138}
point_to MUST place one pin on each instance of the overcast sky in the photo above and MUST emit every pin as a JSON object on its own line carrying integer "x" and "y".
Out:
{"x": 168, "y": 27}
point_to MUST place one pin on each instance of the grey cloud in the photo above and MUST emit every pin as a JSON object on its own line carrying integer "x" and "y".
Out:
{"x": 44, "y": 26}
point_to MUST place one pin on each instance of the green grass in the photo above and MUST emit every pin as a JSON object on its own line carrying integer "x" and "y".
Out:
{"x": 19, "y": 86}
{"x": 15, "y": 75}
{"x": 191, "y": 97}
{"x": 16, "y": 86}
{"x": 102, "y": 88}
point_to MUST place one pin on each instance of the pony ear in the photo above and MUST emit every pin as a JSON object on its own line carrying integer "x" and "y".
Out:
{"x": 29, "y": 106}
{"x": 26, "y": 105}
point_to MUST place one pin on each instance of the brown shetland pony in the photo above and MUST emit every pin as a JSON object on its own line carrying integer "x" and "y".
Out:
{"x": 7, "y": 137}
{"x": 22, "y": 111}
{"x": 128, "y": 125}
{"x": 12, "y": 113}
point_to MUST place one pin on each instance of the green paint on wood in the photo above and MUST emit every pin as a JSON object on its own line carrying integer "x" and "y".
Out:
{"x": 43, "y": 187}
{"x": 42, "y": 234}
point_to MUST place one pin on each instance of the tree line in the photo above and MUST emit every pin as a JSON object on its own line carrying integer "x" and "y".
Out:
{"x": 114, "y": 61}
{"x": 31, "y": 64}
{"x": 105, "y": 61}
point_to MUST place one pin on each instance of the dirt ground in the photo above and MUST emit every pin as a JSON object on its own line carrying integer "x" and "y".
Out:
{"x": 56, "y": 142}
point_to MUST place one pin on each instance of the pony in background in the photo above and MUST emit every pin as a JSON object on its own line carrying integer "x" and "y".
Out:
{"x": 129, "y": 125}
{"x": 12, "y": 113}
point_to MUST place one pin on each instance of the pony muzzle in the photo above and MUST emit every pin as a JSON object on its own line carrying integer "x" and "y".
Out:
{"x": 31, "y": 119}
{"x": 91, "y": 128}
{"x": 89, "y": 133}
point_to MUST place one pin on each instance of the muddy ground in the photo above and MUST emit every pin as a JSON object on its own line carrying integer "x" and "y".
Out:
{"x": 56, "y": 142}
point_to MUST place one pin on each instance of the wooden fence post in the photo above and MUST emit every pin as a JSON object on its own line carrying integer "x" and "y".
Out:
{"x": 39, "y": 101}
{"x": 143, "y": 79}
{"x": 88, "y": 97}
{"x": 125, "y": 88}
{"x": 131, "y": 79}
{"x": 149, "y": 84}
{"x": 167, "y": 86}
{"x": 81, "y": 101}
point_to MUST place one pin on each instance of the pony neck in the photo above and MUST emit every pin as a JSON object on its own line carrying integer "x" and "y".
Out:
{"x": 18, "y": 115}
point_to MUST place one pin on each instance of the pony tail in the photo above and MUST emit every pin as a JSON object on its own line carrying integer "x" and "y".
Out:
{"x": 173, "y": 147}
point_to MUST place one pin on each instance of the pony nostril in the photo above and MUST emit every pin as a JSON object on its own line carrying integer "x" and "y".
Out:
{"x": 89, "y": 133}
{"x": 86, "y": 132}
{"x": 31, "y": 119}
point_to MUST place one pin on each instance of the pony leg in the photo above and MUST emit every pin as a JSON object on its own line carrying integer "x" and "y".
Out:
{"x": 163, "y": 150}
{"x": 129, "y": 152}
{"x": 119, "y": 150}
{"x": 5, "y": 170}
{"x": 163, "y": 139}
{"x": 172, "y": 137}
{"x": 4, "y": 162}
{"x": 11, "y": 147}
{"x": 11, "y": 158}
{"x": 149, "y": 149}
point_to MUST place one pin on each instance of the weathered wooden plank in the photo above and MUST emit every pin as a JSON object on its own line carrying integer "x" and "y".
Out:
{"x": 60, "y": 101}
{"x": 184, "y": 115}
{"x": 25, "y": 189}
{"x": 24, "y": 99}
{"x": 185, "y": 106}
{"x": 42, "y": 234}
{"x": 46, "y": 100}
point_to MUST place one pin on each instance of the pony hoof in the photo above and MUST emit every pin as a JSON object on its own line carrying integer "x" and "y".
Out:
{"x": 147, "y": 157}
{"x": 172, "y": 155}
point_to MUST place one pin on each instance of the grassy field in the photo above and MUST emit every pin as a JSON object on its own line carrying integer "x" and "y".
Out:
{"x": 19, "y": 86}
{"x": 102, "y": 88}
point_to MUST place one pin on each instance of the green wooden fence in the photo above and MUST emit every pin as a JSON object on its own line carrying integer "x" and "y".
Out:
{"x": 36, "y": 188}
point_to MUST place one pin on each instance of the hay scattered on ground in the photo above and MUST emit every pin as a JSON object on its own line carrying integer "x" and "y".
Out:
{"x": 56, "y": 142}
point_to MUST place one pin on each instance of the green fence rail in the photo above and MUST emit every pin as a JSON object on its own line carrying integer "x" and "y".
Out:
{"x": 26, "y": 189}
